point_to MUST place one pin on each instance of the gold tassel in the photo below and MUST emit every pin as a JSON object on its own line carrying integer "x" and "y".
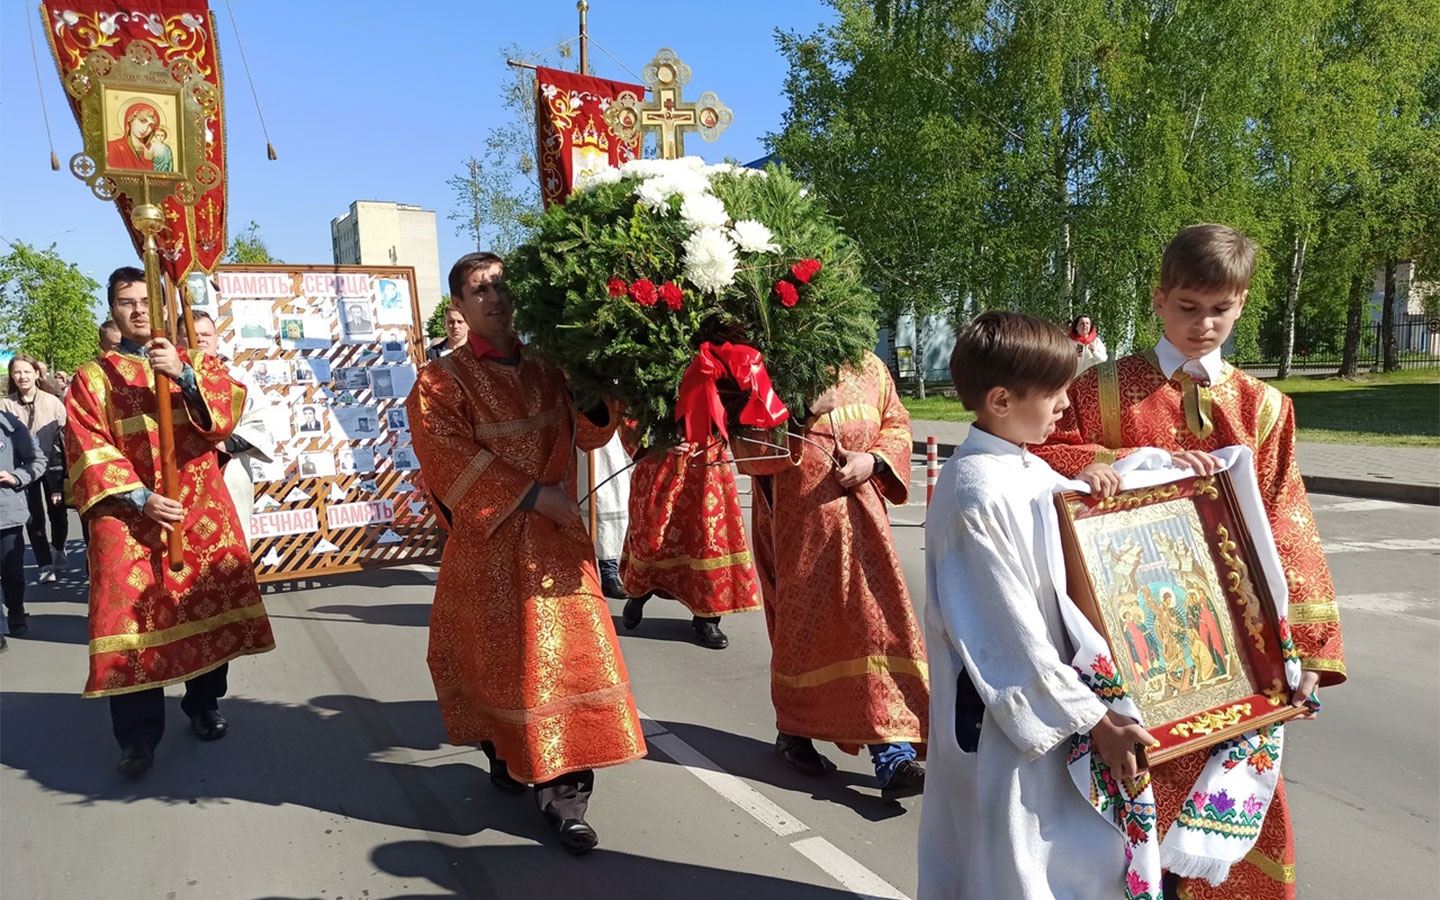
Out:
{"x": 54, "y": 162}
{"x": 270, "y": 150}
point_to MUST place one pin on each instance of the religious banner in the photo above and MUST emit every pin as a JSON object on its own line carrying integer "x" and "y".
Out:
{"x": 156, "y": 67}
{"x": 574, "y": 136}
{"x": 332, "y": 368}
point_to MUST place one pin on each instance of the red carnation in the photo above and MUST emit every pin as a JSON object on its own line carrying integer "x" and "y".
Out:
{"x": 672, "y": 295}
{"x": 616, "y": 287}
{"x": 644, "y": 292}
{"x": 788, "y": 295}
{"x": 805, "y": 269}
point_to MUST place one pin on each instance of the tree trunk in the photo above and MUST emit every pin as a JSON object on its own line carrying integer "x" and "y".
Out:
{"x": 1292, "y": 302}
{"x": 919, "y": 353}
{"x": 475, "y": 202}
{"x": 1354, "y": 318}
{"x": 1387, "y": 319}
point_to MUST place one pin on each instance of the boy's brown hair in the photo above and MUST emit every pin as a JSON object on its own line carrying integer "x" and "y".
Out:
{"x": 1010, "y": 350}
{"x": 1208, "y": 258}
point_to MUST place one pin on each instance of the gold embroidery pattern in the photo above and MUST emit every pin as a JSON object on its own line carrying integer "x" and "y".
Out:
{"x": 1109, "y": 374}
{"x": 1317, "y": 664}
{"x": 1313, "y": 612}
{"x": 145, "y": 422}
{"x": 1209, "y": 722}
{"x": 490, "y": 431}
{"x": 462, "y": 484}
{"x": 689, "y": 562}
{"x": 114, "y": 643}
{"x": 866, "y": 665}
{"x": 1237, "y": 581}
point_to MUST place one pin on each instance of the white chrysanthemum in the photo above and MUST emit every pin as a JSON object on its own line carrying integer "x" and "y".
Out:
{"x": 691, "y": 162}
{"x": 595, "y": 178}
{"x": 642, "y": 168}
{"x": 703, "y": 211}
{"x": 710, "y": 260}
{"x": 754, "y": 237}
{"x": 655, "y": 194}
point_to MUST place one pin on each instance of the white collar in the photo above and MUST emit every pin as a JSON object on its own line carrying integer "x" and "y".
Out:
{"x": 1171, "y": 359}
{"x": 981, "y": 441}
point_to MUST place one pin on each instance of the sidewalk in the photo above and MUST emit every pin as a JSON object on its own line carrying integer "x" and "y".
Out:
{"x": 1404, "y": 474}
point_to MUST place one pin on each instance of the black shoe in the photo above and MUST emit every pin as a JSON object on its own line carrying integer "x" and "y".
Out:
{"x": 209, "y": 725}
{"x": 708, "y": 634}
{"x": 800, "y": 754}
{"x": 4, "y": 644}
{"x": 610, "y": 584}
{"x": 908, "y": 780}
{"x": 634, "y": 611}
{"x": 500, "y": 777}
{"x": 135, "y": 761}
{"x": 577, "y": 836}
{"x": 19, "y": 624}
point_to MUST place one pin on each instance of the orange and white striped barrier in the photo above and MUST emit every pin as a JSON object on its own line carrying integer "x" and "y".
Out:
{"x": 932, "y": 467}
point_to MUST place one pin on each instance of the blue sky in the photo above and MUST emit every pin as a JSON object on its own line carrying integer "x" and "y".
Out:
{"x": 374, "y": 101}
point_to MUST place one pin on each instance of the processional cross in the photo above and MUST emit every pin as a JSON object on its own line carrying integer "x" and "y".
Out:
{"x": 668, "y": 115}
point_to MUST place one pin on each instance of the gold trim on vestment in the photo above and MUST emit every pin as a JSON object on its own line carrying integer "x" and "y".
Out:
{"x": 690, "y": 562}
{"x": 115, "y": 643}
{"x": 1108, "y": 381}
{"x": 107, "y": 493}
{"x": 1107, "y": 456}
{"x": 517, "y": 427}
{"x": 1317, "y": 664}
{"x": 462, "y": 483}
{"x": 1270, "y": 408}
{"x": 149, "y": 685}
{"x": 102, "y": 454}
{"x": 1195, "y": 399}
{"x": 146, "y": 422}
{"x": 607, "y": 696}
{"x": 856, "y": 412}
{"x": 1314, "y": 612}
{"x": 865, "y": 665}
{"x": 1272, "y": 868}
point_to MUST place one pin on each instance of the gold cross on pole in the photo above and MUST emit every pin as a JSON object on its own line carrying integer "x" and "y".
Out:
{"x": 669, "y": 116}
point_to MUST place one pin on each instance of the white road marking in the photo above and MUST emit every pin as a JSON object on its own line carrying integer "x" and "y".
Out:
{"x": 1400, "y": 544}
{"x": 844, "y": 869}
{"x": 836, "y": 863}
{"x": 1386, "y": 604}
{"x": 760, "y": 808}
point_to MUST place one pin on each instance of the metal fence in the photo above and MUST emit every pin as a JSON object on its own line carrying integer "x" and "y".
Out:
{"x": 1417, "y": 344}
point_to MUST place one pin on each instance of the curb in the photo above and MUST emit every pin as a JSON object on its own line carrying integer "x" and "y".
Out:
{"x": 1362, "y": 488}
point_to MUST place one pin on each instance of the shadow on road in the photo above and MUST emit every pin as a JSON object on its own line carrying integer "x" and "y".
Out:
{"x": 413, "y": 614}
{"x": 756, "y": 760}
{"x": 326, "y": 755}
{"x": 474, "y": 873}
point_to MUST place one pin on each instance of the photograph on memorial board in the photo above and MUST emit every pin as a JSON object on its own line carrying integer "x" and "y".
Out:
{"x": 310, "y": 420}
{"x": 273, "y": 470}
{"x": 397, "y": 419}
{"x": 272, "y": 372}
{"x": 392, "y": 381}
{"x": 393, "y": 351}
{"x": 316, "y": 465}
{"x": 305, "y": 332}
{"x": 355, "y": 460}
{"x": 403, "y": 459}
{"x": 312, "y": 370}
{"x": 357, "y": 321}
{"x": 202, "y": 293}
{"x": 351, "y": 378}
{"x": 277, "y": 421}
{"x": 394, "y": 302}
{"x": 357, "y": 423}
{"x": 253, "y": 322}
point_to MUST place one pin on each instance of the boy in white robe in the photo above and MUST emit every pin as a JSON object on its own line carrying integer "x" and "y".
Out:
{"x": 1002, "y": 818}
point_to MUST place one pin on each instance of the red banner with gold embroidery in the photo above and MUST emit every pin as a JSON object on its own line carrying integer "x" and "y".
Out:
{"x": 573, "y": 134}
{"x": 178, "y": 33}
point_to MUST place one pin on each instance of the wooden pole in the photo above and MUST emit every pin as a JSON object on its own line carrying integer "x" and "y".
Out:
{"x": 584, "y": 7}
{"x": 590, "y": 486}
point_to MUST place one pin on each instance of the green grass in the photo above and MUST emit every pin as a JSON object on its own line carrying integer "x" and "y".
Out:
{"x": 938, "y": 409}
{"x": 1401, "y": 409}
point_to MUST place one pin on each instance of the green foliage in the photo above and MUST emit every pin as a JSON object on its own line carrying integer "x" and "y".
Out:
{"x": 435, "y": 325}
{"x": 1039, "y": 154}
{"x": 46, "y": 308}
{"x": 249, "y": 247}
{"x": 615, "y": 347}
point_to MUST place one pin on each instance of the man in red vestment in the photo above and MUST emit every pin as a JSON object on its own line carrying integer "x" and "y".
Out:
{"x": 523, "y": 652}
{"x": 151, "y": 626}
{"x": 1182, "y": 397}
{"x": 687, "y": 537}
{"x": 847, "y": 660}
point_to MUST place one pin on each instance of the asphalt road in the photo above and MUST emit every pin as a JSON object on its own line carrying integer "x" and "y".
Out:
{"x": 336, "y": 782}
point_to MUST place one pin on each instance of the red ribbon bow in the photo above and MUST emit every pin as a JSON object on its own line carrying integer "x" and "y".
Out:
{"x": 699, "y": 405}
